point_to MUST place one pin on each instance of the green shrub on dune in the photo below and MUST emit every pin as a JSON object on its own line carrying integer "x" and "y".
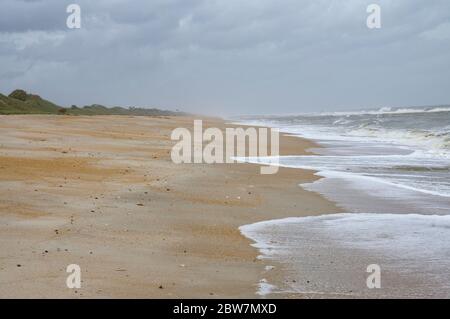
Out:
{"x": 20, "y": 102}
{"x": 20, "y": 95}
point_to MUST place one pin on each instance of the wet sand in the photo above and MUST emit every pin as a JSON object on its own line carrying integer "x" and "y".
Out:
{"x": 103, "y": 193}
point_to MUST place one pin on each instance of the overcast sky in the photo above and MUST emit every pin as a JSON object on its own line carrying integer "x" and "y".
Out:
{"x": 229, "y": 56}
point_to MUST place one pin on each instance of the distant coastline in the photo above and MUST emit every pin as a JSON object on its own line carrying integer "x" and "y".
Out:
{"x": 22, "y": 102}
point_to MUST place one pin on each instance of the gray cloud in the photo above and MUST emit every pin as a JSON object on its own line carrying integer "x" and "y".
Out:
{"x": 229, "y": 56}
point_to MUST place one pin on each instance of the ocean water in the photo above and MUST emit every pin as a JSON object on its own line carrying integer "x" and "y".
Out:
{"x": 389, "y": 170}
{"x": 328, "y": 255}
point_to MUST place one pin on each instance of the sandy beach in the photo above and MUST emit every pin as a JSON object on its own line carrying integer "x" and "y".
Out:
{"x": 103, "y": 193}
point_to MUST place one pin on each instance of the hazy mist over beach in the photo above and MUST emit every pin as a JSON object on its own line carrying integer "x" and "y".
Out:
{"x": 229, "y": 57}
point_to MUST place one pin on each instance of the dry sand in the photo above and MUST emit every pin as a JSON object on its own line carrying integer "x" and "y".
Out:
{"x": 102, "y": 192}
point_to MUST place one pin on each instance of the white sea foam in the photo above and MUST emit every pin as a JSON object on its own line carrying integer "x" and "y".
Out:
{"x": 392, "y": 167}
{"x": 356, "y": 230}
{"x": 387, "y": 110}
{"x": 414, "y": 248}
{"x": 264, "y": 288}
{"x": 419, "y": 129}
{"x": 412, "y": 172}
{"x": 407, "y": 147}
{"x": 379, "y": 111}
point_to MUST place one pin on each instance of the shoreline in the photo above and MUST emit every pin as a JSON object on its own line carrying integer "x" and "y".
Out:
{"x": 102, "y": 192}
{"x": 384, "y": 226}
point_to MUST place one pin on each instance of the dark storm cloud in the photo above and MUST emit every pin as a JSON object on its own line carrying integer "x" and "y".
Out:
{"x": 229, "y": 56}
